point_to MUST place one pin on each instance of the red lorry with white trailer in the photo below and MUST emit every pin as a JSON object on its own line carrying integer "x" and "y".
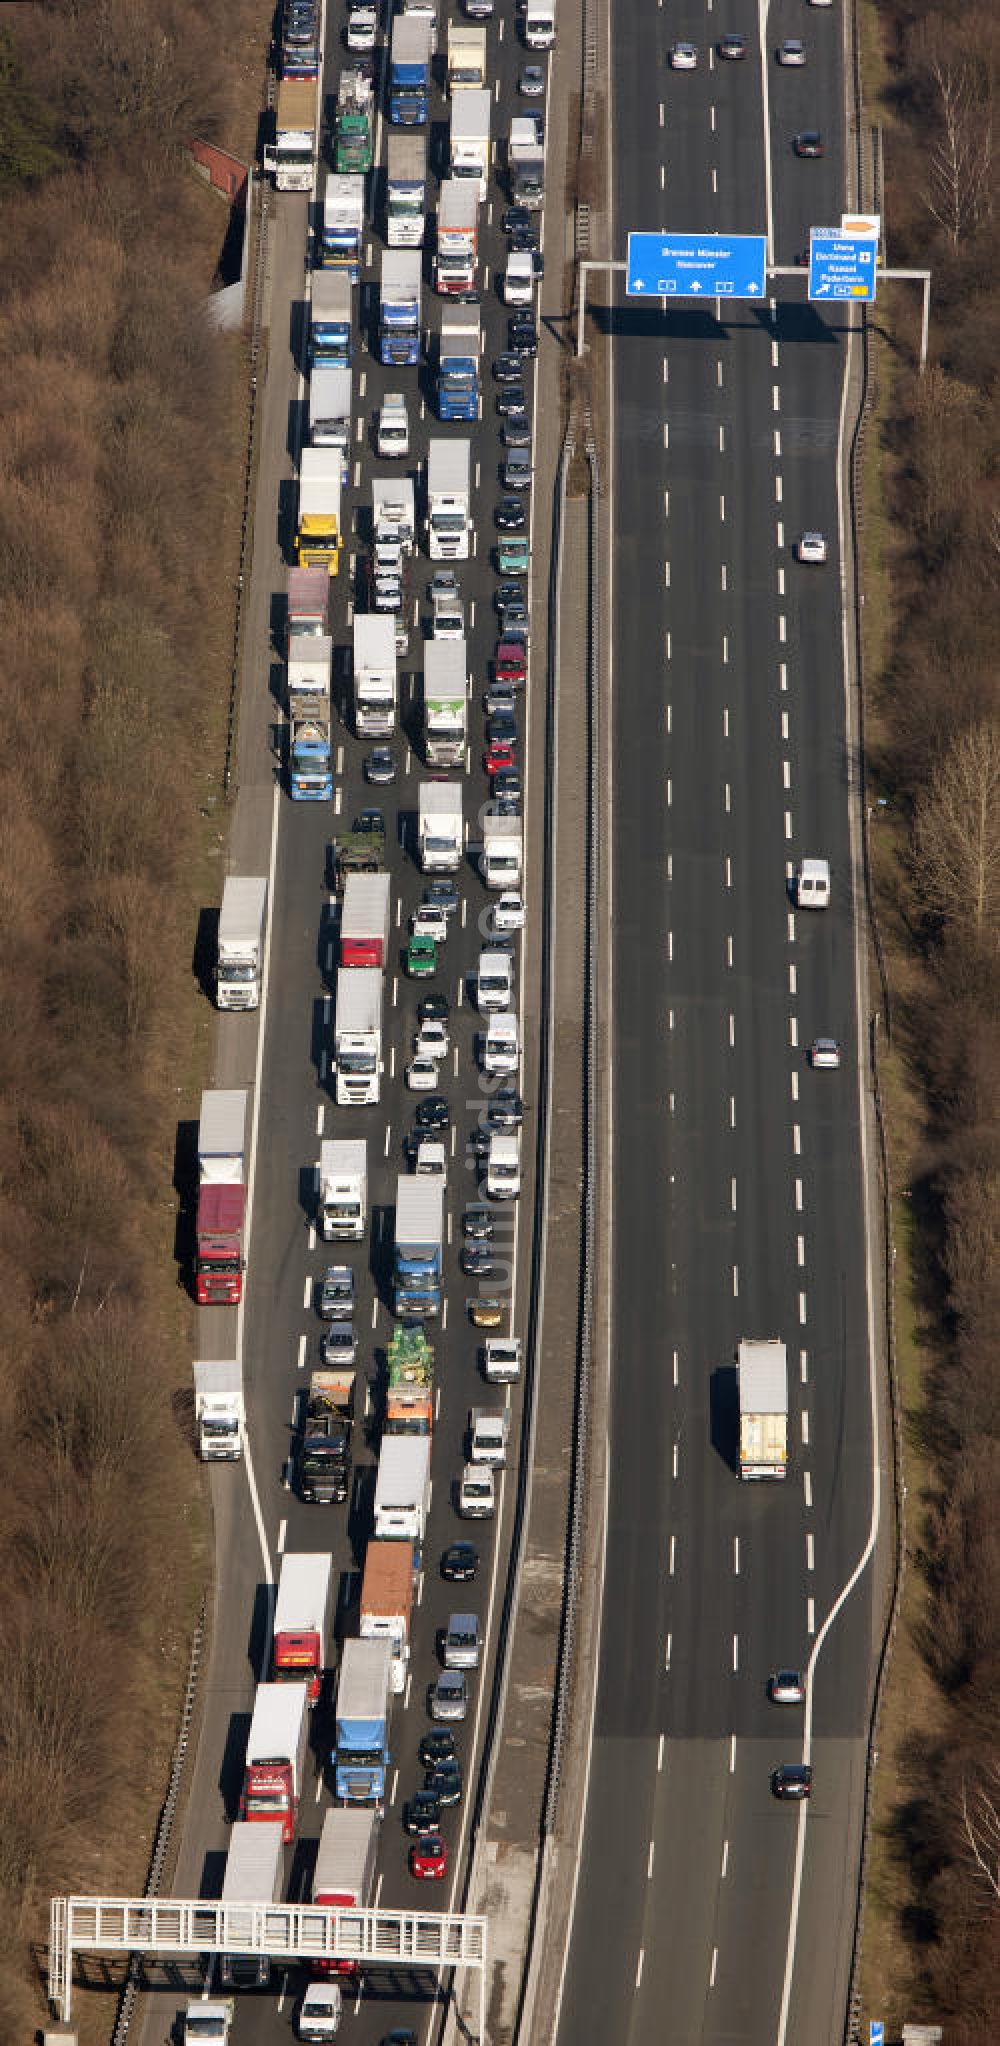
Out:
{"x": 345, "y": 1869}
{"x": 302, "y": 1621}
{"x": 276, "y": 1756}
{"x": 364, "y": 920}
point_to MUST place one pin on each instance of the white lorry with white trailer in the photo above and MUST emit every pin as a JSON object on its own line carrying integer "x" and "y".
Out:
{"x": 291, "y": 158}
{"x": 343, "y": 1189}
{"x": 449, "y": 464}
{"x": 357, "y": 1035}
{"x": 446, "y": 682}
{"x": 392, "y": 432}
{"x": 218, "y": 1409}
{"x": 440, "y": 830}
{"x": 375, "y": 687}
{"x": 330, "y": 411}
{"x": 241, "y": 942}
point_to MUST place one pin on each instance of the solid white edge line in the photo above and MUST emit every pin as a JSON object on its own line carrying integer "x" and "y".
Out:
{"x": 251, "y": 1181}
{"x": 866, "y": 1183}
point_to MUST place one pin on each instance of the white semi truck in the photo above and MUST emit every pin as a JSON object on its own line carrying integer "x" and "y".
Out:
{"x": 357, "y": 1035}
{"x": 449, "y": 465}
{"x": 440, "y": 830}
{"x": 375, "y": 687}
{"x": 343, "y": 1189}
{"x": 218, "y": 1408}
{"x": 445, "y": 702}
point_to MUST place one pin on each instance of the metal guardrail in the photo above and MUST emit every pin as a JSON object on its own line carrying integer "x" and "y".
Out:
{"x": 567, "y": 1643}
{"x": 164, "y": 1827}
{"x": 263, "y": 192}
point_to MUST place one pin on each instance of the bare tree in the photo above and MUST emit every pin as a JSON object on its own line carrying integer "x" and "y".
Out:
{"x": 957, "y": 834}
{"x": 981, "y": 1826}
{"x": 959, "y": 195}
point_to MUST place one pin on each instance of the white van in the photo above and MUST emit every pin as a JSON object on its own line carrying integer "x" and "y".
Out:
{"x": 501, "y": 1360}
{"x": 503, "y": 1167}
{"x": 812, "y": 884}
{"x": 540, "y": 24}
{"x": 494, "y": 982}
{"x": 502, "y": 1047}
{"x": 519, "y": 278}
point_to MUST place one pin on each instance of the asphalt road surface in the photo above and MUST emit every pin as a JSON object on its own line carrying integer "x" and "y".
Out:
{"x": 738, "y": 1172}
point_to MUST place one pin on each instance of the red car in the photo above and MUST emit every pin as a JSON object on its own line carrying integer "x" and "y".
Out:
{"x": 500, "y": 753}
{"x": 429, "y": 1858}
{"x": 509, "y": 663}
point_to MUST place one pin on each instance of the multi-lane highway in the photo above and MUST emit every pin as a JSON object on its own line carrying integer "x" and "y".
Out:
{"x": 705, "y": 1909}
{"x": 259, "y": 1515}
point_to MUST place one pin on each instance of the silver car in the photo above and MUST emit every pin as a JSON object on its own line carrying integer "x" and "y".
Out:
{"x": 448, "y": 1698}
{"x": 462, "y": 1641}
{"x": 786, "y": 1687}
{"x": 517, "y": 469}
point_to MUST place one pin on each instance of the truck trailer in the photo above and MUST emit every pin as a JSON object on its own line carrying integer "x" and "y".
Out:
{"x": 405, "y": 188}
{"x": 364, "y": 920}
{"x": 409, "y": 1397}
{"x": 302, "y": 1614}
{"x": 241, "y": 942}
{"x": 222, "y": 1174}
{"x": 357, "y": 1035}
{"x": 762, "y": 1375}
{"x": 409, "y": 70}
{"x": 457, "y": 237}
{"x": 331, "y": 306}
{"x": 324, "y": 1445}
{"x": 291, "y": 158}
{"x": 459, "y": 346}
{"x": 466, "y": 57}
{"x": 399, "y": 306}
{"x": 310, "y": 762}
{"x": 402, "y": 1488}
{"x": 277, "y": 1746}
{"x": 255, "y": 1873}
{"x": 419, "y": 1235}
{"x": 446, "y": 678}
{"x": 318, "y": 534}
{"x": 469, "y": 156}
{"x": 343, "y": 223}
{"x": 374, "y": 675}
{"x": 448, "y": 472}
{"x": 387, "y": 1602}
{"x": 361, "y": 1752}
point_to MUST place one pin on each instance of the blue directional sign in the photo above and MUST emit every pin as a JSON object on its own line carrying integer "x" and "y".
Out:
{"x": 842, "y": 265}
{"x": 876, "y": 2032}
{"x": 696, "y": 265}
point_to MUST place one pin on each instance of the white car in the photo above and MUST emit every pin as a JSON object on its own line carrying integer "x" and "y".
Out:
{"x": 508, "y": 913}
{"x": 430, "y": 1158}
{"x": 422, "y": 1074}
{"x": 811, "y": 547}
{"x": 683, "y": 57}
{"x": 428, "y": 921}
{"x": 477, "y": 1498}
{"x": 494, "y": 982}
{"x": 791, "y": 51}
{"x": 432, "y": 1039}
{"x": 824, "y": 1054}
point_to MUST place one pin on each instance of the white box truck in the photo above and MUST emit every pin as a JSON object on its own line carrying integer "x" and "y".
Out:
{"x": 448, "y": 470}
{"x": 343, "y": 1189}
{"x": 469, "y": 154}
{"x": 406, "y": 205}
{"x": 440, "y": 834}
{"x": 402, "y": 1488}
{"x": 218, "y": 1408}
{"x": 500, "y": 864}
{"x": 241, "y": 942}
{"x": 330, "y": 411}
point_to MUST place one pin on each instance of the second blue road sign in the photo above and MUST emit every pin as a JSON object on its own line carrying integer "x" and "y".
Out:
{"x": 696, "y": 265}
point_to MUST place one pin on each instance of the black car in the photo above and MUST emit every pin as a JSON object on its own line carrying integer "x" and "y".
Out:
{"x": 335, "y": 1294}
{"x": 433, "y": 1008}
{"x": 434, "y": 1113}
{"x": 381, "y": 765}
{"x": 502, "y": 725}
{"x": 372, "y": 821}
{"x": 515, "y": 217}
{"x": 522, "y": 335}
{"x": 510, "y": 515}
{"x": 511, "y": 398}
{"x": 507, "y": 782}
{"x": 510, "y": 590}
{"x": 508, "y": 369}
{"x": 444, "y": 1781}
{"x": 477, "y": 1224}
{"x": 506, "y": 1110}
{"x": 460, "y": 1563}
{"x": 479, "y": 1261}
{"x": 422, "y": 1814}
{"x": 506, "y": 805}
{"x": 436, "y": 1746}
{"x": 523, "y": 239}
{"x": 792, "y": 1780}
